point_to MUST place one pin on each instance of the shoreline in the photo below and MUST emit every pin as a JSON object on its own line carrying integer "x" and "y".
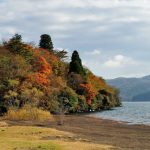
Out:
{"x": 122, "y": 122}
{"x": 89, "y": 114}
{"x": 99, "y": 131}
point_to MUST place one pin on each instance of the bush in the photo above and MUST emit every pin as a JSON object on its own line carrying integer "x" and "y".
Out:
{"x": 68, "y": 99}
{"x": 82, "y": 105}
{"x": 28, "y": 113}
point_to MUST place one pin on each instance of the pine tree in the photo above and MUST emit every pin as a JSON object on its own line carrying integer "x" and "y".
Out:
{"x": 76, "y": 64}
{"x": 46, "y": 42}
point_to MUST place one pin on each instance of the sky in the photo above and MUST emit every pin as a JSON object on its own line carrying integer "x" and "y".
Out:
{"x": 111, "y": 36}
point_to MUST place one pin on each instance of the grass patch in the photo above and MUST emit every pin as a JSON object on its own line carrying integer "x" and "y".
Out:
{"x": 32, "y": 138}
{"x": 27, "y": 138}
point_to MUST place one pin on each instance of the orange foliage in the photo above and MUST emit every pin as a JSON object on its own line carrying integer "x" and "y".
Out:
{"x": 49, "y": 56}
{"x": 43, "y": 72}
{"x": 97, "y": 82}
{"x": 29, "y": 47}
{"x": 90, "y": 92}
{"x": 44, "y": 67}
{"x": 39, "y": 78}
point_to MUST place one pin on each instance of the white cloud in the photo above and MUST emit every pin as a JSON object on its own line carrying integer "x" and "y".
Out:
{"x": 119, "y": 61}
{"x": 85, "y": 25}
{"x": 94, "y": 52}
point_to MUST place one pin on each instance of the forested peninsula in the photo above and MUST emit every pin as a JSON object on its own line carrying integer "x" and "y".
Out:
{"x": 42, "y": 78}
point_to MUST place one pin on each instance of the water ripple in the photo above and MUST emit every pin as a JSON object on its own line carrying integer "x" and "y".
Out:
{"x": 131, "y": 112}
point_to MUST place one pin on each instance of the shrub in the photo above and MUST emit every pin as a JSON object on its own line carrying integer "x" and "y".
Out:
{"x": 82, "y": 105}
{"x": 68, "y": 99}
{"x": 28, "y": 113}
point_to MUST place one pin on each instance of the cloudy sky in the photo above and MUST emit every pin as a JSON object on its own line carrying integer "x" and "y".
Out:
{"x": 112, "y": 36}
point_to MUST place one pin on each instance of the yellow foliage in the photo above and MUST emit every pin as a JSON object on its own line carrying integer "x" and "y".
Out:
{"x": 10, "y": 94}
{"x": 99, "y": 83}
{"x": 28, "y": 113}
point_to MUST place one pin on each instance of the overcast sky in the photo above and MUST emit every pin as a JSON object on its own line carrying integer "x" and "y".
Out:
{"x": 112, "y": 36}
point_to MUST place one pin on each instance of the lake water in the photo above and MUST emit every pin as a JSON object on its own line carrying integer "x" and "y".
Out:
{"x": 130, "y": 112}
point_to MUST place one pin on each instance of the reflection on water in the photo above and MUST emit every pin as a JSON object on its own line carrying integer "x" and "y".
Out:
{"x": 130, "y": 112}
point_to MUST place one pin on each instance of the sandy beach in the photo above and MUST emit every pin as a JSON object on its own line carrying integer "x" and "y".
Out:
{"x": 100, "y": 131}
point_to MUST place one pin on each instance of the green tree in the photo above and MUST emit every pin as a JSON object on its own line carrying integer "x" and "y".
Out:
{"x": 16, "y": 46}
{"x": 46, "y": 42}
{"x": 17, "y": 37}
{"x": 62, "y": 54}
{"x": 76, "y": 64}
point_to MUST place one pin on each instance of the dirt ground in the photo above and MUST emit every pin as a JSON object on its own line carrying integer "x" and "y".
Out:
{"x": 100, "y": 131}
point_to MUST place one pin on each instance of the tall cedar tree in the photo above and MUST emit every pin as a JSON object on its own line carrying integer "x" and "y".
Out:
{"x": 76, "y": 64}
{"x": 46, "y": 42}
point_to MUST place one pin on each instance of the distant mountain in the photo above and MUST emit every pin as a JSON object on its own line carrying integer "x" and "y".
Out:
{"x": 142, "y": 97}
{"x": 132, "y": 89}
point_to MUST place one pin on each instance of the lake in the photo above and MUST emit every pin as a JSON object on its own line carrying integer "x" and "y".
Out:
{"x": 130, "y": 112}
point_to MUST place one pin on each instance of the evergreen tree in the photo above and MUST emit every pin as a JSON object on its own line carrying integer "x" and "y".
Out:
{"x": 76, "y": 64}
{"x": 17, "y": 37}
{"x": 46, "y": 42}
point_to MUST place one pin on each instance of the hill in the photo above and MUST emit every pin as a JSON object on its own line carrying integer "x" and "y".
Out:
{"x": 133, "y": 89}
{"x": 39, "y": 77}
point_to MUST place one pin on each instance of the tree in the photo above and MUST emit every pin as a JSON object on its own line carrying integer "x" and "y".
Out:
{"x": 68, "y": 102}
{"x": 43, "y": 71}
{"x": 89, "y": 92}
{"x": 62, "y": 54}
{"x": 16, "y": 46}
{"x": 17, "y": 37}
{"x": 76, "y": 64}
{"x": 46, "y": 42}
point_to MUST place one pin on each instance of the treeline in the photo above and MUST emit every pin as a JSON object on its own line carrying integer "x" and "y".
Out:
{"x": 40, "y": 77}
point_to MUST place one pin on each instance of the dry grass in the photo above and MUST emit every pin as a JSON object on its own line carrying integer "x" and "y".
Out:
{"x": 39, "y": 138}
{"x": 3, "y": 124}
{"x": 28, "y": 113}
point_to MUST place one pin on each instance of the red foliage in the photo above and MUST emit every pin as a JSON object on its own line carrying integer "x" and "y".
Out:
{"x": 90, "y": 93}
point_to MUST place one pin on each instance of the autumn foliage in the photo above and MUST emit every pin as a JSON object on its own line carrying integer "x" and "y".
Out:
{"x": 44, "y": 67}
{"x": 89, "y": 92}
{"x": 44, "y": 70}
{"x": 42, "y": 79}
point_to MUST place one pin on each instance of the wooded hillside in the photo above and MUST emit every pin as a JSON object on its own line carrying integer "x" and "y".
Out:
{"x": 40, "y": 77}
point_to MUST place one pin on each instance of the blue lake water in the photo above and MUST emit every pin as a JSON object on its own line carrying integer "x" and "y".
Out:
{"x": 130, "y": 112}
